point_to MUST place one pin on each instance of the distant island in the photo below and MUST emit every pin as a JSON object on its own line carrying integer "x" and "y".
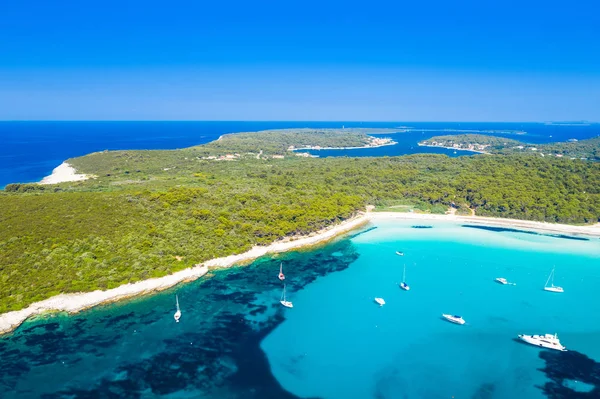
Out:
{"x": 133, "y": 215}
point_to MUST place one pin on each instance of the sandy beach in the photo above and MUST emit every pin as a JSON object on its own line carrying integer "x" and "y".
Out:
{"x": 63, "y": 173}
{"x": 589, "y": 230}
{"x": 76, "y": 302}
{"x": 73, "y": 303}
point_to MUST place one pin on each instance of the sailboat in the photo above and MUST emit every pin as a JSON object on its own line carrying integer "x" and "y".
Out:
{"x": 281, "y": 275}
{"x": 283, "y": 301}
{"x": 403, "y": 284}
{"x": 552, "y": 287}
{"x": 177, "y": 314}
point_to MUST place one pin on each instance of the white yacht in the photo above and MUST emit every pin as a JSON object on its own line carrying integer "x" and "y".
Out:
{"x": 380, "y": 301}
{"x": 548, "y": 341}
{"x": 552, "y": 287}
{"x": 177, "y": 314}
{"x": 454, "y": 319}
{"x": 501, "y": 280}
{"x": 283, "y": 301}
{"x": 403, "y": 284}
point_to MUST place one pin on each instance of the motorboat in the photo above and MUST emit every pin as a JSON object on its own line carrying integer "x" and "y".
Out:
{"x": 399, "y": 253}
{"x": 454, "y": 319}
{"x": 380, "y": 301}
{"x": 548, "y": 341}
{"x": 285, "y": 302}
{"x": 501, "y": 280}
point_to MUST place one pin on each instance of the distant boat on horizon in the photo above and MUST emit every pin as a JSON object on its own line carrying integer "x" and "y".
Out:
{"x": 552, "y": 287}
{"x": 177, "y": 314}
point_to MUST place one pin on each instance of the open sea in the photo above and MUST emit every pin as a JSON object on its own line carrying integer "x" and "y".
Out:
{"x": 236, "y": 341}
{"x": 30, "y": 151}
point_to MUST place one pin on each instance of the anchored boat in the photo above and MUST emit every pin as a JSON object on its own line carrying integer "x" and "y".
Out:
{"x": 548, "y": 341}
{"x": 285, "y": 302}
{"x": 380, "y": 301}
{"x": 552, "y": 287}
{"x": 454, "y": 319}
{"x": 403, "y": 284}
{"x": 177, "y": 314}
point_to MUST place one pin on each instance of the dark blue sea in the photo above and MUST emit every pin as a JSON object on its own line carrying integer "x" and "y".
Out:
{"x": 30, "y": 150}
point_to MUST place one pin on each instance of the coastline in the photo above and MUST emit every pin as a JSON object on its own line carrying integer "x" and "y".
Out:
{"x": 63, "y": 173}
{"x": 76, "y": 302}
{"x": 452, "y": 148}
{"x": 589, "y": 230}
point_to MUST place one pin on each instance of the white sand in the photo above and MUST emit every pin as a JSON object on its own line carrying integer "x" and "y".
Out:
{"x": 73, "y": 303}
{"x": 76, "y": 302}
{"x": 63, "y": 173}
{"x": 589, "y": 230}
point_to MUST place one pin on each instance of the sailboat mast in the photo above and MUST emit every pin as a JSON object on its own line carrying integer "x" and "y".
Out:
{"x": 551, "y": 276}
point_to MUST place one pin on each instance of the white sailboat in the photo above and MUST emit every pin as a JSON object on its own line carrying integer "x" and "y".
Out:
{"x": 283, "y": 301}
{"x": 403, "y": 284}
{"x": 177, "y": 314}
{"x": 281, "y": 275}
{"x": 552, "y": 287}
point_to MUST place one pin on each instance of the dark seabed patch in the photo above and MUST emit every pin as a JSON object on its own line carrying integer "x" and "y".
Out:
{"x": 564, "y": 368}
{"x": 510, "y": 230}
{"x": 135, "y": 350}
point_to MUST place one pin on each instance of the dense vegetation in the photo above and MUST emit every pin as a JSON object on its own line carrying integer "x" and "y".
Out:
{"x": 278, "y": 141}
{"x": 149, "y": 213}
{"x": 492, "y": 143}
{"x": 586, "y": 149}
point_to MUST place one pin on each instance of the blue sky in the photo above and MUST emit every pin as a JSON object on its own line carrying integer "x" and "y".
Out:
{"x": 285, "y": 60}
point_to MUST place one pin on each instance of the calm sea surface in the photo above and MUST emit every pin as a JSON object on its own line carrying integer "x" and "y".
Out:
{"x": 236, "y": 341}
{"x": 30, "y": 150}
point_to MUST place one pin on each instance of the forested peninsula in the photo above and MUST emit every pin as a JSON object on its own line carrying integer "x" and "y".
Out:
{"x": 584, "y": 149}
{"x": 151, "y": 213}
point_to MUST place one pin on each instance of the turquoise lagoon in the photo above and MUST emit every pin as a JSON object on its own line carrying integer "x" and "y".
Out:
{"x": 236, "y": 341}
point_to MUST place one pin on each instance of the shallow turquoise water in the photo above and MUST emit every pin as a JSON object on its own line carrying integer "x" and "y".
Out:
{"x": 337, "y": 343}
{"x": 236, "y": 341}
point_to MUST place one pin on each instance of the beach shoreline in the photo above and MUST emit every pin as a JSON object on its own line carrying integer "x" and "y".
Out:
{"x": 588, "y": 230}
{"x": 452, "y": 148}
{"x": 63, "y": 173}
{"x": 76, "y": 302}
